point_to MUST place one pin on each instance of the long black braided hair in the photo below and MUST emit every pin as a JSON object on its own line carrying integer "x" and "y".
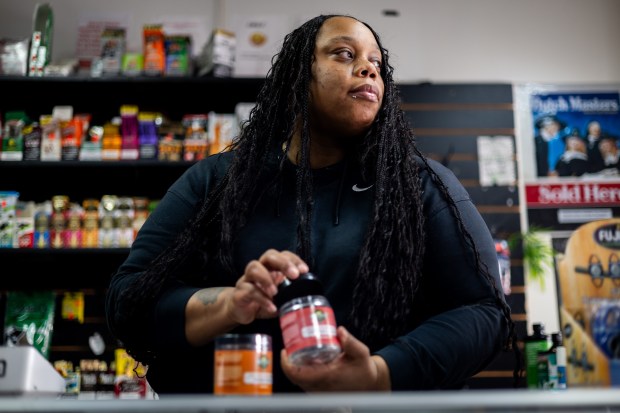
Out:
{"x": 391, "y": 259}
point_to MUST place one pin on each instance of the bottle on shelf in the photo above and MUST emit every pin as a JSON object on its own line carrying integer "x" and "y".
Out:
{"x": 534, "y": 343}
{"x": 552, "y": 365}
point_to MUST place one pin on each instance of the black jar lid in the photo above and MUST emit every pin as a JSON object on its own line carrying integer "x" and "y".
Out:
{"x": 307, "y": 284}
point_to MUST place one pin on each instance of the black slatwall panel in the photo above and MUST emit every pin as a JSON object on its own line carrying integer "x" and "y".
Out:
{"x": 447, "y": 120}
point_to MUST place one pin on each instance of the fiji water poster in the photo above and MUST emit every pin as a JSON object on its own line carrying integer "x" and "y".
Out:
{"x": 576, "y": 134}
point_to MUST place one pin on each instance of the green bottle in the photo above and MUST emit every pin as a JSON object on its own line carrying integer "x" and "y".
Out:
{"x": 538, "y": 341}
{"x": 552, "y": 365}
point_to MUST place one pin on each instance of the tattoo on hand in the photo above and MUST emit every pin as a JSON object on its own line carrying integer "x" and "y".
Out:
{"x": 209, "y": 295}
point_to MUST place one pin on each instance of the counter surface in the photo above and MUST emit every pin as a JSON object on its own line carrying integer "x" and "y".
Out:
{"x": 518, "y": 400}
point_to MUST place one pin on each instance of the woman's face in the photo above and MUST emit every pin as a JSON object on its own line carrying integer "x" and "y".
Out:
{"x": 346, "y": 89}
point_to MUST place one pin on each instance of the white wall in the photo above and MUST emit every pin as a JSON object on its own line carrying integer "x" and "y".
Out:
{"x": 547, "y": 41}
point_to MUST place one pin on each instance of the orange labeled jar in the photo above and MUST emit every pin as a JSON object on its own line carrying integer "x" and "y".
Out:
{"x": 307, "y": 322}
{"x": 243, "y": 365}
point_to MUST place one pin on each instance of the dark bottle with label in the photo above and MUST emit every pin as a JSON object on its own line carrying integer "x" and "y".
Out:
{"x": 32, "y": 142}
{"x": 307, "y": 321}
{"x": 538, "y": 341}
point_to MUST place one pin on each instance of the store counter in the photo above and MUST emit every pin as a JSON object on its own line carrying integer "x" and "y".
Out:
{"x": 478, "y": 401}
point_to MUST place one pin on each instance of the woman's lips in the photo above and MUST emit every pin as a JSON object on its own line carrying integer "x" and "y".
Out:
{"x": 365, "y": 92}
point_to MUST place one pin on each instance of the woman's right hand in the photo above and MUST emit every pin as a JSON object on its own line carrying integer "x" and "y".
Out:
{"x": 214, "y": 311}
{"x": 252, "y": 297}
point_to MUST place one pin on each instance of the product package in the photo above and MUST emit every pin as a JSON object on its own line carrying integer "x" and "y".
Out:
{"x": 243, "y": 365}
{"x": 154, "y": 50}
{"x": 129, "y": 133}
{"x": 218, "y": 56}
{"x": 58, "y": 220}
{"x": 196, "y": 143}
{"x": 147, "y": 135}
{"x": 552, "y": 365}
{"x": 25, "y": 224}
{"x": 124, "y": 220}
{"x": 111, "y": 141}
{"x": 133, "y": 64}
{"x": 91, "y": 145}
{"x": 503, "y": 258}
{"x": 178, "y": 55}
{"x": 130, "y": 382}
{"x": 41, "y": 40}
{"x": 73, "y": 306}
{"x": 32, "y": 141}
{"x": 90, "y": 230}
{"x": 29, "y": 319}
{"x": 42, "y": 218}
{"x": 223, "y": 127}
{"x": 8, "y": 218}
{"x": 70, "y": 138}
{"x": 108, "y": 214}
{"x": 112, "y": 50}
{"x": 13, "y": 136}
{"x": 14, "y": 57}
{"x": 589, "y": 288}
{"x": 70, "y": 132}
{"x": 51, "y": 148}
{"x": 307, "y": 321}
{"x": 171, "y": 135}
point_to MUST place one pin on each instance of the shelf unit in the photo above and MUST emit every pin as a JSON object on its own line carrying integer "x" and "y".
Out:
{"x": 89, "y": 269}
{"x": 103, "y": 96}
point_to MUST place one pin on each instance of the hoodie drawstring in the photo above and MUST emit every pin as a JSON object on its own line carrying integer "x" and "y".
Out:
{"x": 339, "y": 194}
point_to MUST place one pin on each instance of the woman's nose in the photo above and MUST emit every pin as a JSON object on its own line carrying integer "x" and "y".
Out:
{"x": 367, "y": 69}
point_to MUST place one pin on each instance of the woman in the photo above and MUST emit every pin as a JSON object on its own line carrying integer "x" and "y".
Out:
{"x": 326, "y": 167}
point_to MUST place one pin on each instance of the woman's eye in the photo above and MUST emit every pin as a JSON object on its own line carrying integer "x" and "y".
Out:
{"x": 346, "y": 53}
{"x": 377, "y": 64}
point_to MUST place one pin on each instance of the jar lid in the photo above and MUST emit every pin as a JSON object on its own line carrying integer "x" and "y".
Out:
{"x": 307, "y": 284}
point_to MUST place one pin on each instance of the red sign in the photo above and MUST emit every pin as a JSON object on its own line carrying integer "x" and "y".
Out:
{"x": 573, "y": 194}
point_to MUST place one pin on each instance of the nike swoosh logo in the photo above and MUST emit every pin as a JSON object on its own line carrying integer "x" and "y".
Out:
{"x": 358, "y": 189}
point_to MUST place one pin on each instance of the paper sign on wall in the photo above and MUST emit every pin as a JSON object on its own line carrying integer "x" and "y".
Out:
{"x": 496, "y": 160}
{"x": 259, "y": 38}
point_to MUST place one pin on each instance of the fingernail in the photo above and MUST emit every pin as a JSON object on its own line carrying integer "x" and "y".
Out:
{"x": 293, "y": 270}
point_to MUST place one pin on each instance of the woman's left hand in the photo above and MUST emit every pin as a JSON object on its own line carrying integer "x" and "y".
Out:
{"x": 353, "y": 370}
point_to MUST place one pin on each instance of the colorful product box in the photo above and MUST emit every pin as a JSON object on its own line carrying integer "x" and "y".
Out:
{"x": 154, "y": 50}
{"x": 129, "y": 132}
{"x": 8, "y": 222}
{"x": 25, "y": 224}
{"x": 112, "y": 50}
{"x": 178, "y": 55}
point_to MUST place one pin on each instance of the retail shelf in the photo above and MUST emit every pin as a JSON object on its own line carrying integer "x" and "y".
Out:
{"x": 39, "y": 181}
{"x": 80, "y": 269}
{"x": 173, "y": 97}
{"x": 58, "y": 268}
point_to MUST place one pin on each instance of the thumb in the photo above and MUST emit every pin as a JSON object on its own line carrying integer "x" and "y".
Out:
{"x": 351, "y": 346}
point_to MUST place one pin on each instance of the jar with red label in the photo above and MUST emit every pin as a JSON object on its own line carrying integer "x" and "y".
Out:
{"x": 307, "y": 321}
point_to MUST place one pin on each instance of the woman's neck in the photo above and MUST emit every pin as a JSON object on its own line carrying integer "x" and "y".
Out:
{"x": 323, "y": 151}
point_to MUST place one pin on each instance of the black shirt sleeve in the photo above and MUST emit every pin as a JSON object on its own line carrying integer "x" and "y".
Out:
{"x": 165, "y": 326}
{"x": 461, "y": 327}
